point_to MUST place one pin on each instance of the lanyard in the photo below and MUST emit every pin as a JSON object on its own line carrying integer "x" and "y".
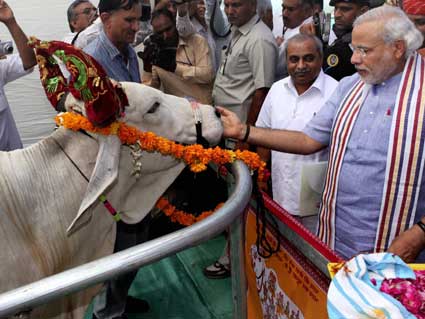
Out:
{"x": 232, "y": 44}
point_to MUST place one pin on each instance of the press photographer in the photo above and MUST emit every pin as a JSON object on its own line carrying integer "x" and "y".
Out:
{"x": 158, "y": 52}
{"x": 12, "y": 67}
{"x": 178, "y": 65}
{"x": 337, "y": 52}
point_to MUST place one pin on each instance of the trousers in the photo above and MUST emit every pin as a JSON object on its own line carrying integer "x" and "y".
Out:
{"x": 111, "y": 300}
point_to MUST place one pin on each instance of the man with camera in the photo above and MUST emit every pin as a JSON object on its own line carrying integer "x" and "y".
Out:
{"x": 181, "y": 65}
{"x": 12, "y": 67}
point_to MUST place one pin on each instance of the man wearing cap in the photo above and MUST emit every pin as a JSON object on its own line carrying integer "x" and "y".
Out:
{"x": 336, "y": 59}
{"x": 415, "y": 10}
{"x": 337, "y": 55}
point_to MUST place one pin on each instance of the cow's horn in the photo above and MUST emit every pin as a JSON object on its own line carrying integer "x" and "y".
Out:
{"x": 104, "y": 174}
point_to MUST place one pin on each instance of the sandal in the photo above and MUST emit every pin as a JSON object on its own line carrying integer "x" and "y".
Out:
{"x": 216, "y": 271}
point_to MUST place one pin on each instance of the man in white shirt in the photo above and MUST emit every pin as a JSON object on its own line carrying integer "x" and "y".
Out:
{"x": 12, "y": 67}
{"x": 295, "y": 13}
{"x": 81, "y": 14}
{"x": 290, "y": 104}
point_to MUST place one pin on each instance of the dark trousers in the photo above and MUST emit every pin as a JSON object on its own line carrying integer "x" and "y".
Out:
{"x": 111, "y": 301}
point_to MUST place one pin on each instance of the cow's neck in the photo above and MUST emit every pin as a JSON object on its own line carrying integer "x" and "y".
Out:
{"x": 79, "y": 148}
{"x": 30, "y": 175}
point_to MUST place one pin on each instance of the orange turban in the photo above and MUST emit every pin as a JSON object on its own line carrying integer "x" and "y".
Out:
{"x": 415, "y": 7}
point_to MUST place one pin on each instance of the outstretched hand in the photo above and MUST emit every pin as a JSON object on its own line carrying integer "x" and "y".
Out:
{"x": 6, "y": 14}
{"x": 232, "y": 125}
{"x": 408, "y": 244}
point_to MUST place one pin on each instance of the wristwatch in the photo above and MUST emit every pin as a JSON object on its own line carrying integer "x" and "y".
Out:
{"x": 421, "y": 225}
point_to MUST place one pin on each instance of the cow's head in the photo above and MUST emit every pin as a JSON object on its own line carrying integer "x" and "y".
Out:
{"x": 87, "y": 90}
{"x": 149, "y": 110}
{"x": 166, "y": 115}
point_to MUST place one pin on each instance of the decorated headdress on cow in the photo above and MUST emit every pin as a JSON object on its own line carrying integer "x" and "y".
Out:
{"x": 104, "y": 100}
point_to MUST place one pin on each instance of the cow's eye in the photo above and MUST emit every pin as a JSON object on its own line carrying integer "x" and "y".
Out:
{"x": 153, "y": 108}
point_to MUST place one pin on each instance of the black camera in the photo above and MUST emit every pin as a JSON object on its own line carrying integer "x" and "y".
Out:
{"x": 146, "y": 12}
{"x": 6, "y": 47}
{"x": 151, "y": 47}
{"x": 322, "y": 26}
{"x": 157, "y": 52}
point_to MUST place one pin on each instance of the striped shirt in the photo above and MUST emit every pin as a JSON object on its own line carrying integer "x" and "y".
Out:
{"x": 112, "y": 60}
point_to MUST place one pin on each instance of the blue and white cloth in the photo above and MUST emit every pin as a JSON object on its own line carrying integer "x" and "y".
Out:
{"x": 353, "y": 295}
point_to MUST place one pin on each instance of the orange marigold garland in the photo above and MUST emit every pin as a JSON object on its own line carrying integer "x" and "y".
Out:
{"x": 195, "y": 155}
{"x": 179, "y": 216}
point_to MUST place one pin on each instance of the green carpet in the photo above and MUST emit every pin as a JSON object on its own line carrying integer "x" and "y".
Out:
{"x": 176, "y": 288}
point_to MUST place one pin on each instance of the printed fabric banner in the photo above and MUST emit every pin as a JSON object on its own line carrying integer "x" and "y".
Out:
{"x": 284, "y": 286}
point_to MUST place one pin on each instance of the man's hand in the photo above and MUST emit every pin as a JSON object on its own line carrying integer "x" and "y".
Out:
{"x": 232, "y": 125}
{"x": 279, "y": 40}
{"x": 25, "y": 51}
{"x": 409, "y": 244}
{"x": 6, "y": 14}
{"x": 308, "y": 28}
{"x": 182, "y": 7}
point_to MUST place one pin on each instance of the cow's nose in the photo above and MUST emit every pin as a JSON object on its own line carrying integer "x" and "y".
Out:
{"x": 217, "y": 113}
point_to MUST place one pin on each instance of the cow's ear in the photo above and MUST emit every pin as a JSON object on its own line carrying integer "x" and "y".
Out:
{"x": 104, "y": 174}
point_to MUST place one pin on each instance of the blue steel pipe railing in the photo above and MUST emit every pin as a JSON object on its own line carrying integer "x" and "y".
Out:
{"x": 81, "y": 277}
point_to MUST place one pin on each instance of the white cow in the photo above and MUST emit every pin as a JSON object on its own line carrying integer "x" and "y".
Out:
{"x": 42, "y": 192}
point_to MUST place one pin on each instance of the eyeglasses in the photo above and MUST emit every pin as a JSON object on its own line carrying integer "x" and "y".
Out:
{"x": 87, "y": 11}
{"x": 363, "y": 51}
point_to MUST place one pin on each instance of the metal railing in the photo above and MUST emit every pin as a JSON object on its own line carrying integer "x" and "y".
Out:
{"x": 81, "y": 277}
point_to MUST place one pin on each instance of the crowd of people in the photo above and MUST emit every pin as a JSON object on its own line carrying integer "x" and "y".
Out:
{"x": 295, "y": 88}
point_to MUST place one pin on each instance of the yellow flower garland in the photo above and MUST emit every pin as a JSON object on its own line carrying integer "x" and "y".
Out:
{"x": 194, "y": 155}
